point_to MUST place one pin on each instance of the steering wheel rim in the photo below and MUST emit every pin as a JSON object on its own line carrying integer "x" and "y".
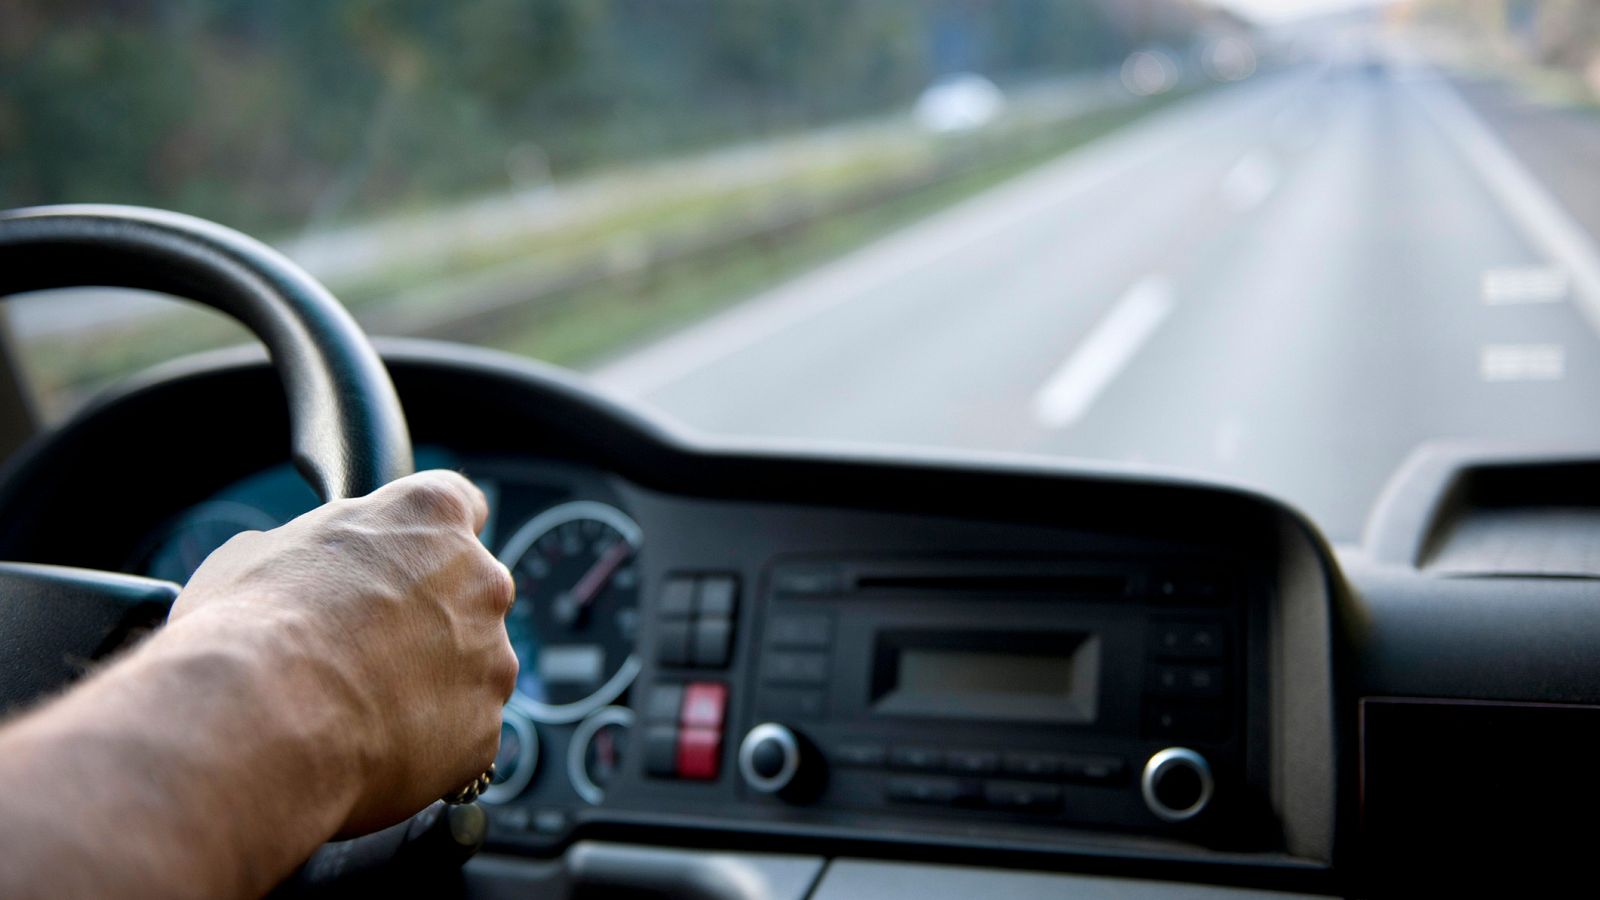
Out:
{"x": 348, "y": 438}
{"x": 347, "y": 430}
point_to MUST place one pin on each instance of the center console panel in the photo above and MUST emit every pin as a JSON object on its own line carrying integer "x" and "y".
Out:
{"x": 1045, "y": 693}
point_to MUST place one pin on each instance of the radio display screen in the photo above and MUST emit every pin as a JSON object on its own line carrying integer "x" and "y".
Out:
{"x": 988, "y": 676}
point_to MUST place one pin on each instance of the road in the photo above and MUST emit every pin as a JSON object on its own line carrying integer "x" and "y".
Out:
{"x": 1290, "y": 283}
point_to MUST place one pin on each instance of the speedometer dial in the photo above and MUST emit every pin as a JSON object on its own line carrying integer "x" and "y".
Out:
{"x": 576, "y": 618}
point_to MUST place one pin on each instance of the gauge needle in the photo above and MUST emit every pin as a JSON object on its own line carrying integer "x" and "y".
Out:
{"x": 588, "y": 587}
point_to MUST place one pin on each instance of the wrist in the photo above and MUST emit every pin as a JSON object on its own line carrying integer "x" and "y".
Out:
{"x": 310, "y": 720}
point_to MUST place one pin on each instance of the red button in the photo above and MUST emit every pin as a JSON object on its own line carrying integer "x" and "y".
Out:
{"x": 699, "y": 753}
{"x": 703, "y": 705}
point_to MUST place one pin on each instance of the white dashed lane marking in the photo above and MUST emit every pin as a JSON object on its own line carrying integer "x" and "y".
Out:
{"x": 1518, "y": 285}
{"x": 1522, "y": 362}
{"x": 1106, "y": 351}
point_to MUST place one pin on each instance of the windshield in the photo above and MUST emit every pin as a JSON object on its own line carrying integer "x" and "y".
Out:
{"x": 1280, "y": 242}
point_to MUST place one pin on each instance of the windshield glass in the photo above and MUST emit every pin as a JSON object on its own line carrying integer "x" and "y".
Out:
{"x": 1280, "y": 242}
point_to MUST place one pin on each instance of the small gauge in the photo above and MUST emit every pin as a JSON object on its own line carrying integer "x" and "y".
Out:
{"x": 194, "y": 535}
{"x": 576, "y": 620}
{"x": 516, "y": 760}
{"x": 595, "y": 755}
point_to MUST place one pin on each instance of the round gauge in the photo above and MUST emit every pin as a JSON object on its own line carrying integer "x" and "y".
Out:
{"x": 516, "y": 760}
{"x": 194, "y": 535}
{"x": 595, "y": 755}
{"x": 576, "y": 619}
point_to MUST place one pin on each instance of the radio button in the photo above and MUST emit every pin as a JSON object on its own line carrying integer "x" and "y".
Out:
{"x": 921, "y": 759}
{"x": 1186, "y": 681}
{"x": 972, "y": 762}
{"x": 677, "y": 598}
{"x": 808, "y": 581}
{"x": 672, "y": 642}
{"x": 860, "y": 756}
{"x": 717, "y": 596}
{"x": 808, "y": 632}
{"x": 663, "y": 704}
{"x": 699, "y": 754}
{"x": 791, "y": 703}
{"x": 1022, "y": 796}
{"x": 1093, "y": 769}
{"x": 795, "y": 668}
{"x": 1032, "y": 765}
{"x": 708, "y": 645}
{"x": 1187, "y": 639}
{"x": 932, "y": 790}
{"x": 703, "y": 705}
{"x": 661, "y": 750}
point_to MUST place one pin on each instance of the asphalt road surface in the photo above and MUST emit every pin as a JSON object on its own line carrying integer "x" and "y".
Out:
{"x": 1291, "y": 283}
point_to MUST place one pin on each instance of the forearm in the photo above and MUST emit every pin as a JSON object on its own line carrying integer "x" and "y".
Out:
{"x": 202, "y": 764}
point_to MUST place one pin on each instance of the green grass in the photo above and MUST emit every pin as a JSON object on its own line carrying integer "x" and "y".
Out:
{"x": 590, "y": 324}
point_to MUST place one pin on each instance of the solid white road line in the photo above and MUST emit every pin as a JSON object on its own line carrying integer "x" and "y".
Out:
{"x": 1520, "y": 285}
{"x": 1548, "y": 227}
{"x": 1107, "y": 349}
{"x": 1522, "y": 362}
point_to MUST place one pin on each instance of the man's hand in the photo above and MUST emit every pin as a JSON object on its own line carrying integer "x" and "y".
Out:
{"x": 399, "y": 611}
{"x": 328, "y": 677}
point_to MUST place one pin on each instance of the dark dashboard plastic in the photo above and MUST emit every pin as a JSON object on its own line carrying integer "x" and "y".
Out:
{"x": 1339, "y": 631}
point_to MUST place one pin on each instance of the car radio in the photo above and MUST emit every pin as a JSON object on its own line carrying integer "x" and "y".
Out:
{"x": 1065, "y": 694}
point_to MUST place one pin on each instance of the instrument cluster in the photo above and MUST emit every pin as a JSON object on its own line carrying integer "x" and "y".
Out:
{"x": 574, "y": 556}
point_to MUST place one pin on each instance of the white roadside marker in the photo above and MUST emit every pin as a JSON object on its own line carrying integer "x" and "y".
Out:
{"x": 1522, "y": 362}
{"x": 1104, "y": 352}
{"x": 1518, "y": 285}
{"x": 1548, "y": 227}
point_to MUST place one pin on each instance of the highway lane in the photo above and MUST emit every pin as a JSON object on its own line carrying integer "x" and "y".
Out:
{"x": 1291, "y": 283}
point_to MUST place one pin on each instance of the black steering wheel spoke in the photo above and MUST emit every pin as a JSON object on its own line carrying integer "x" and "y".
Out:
{"x": 56, "y": 621}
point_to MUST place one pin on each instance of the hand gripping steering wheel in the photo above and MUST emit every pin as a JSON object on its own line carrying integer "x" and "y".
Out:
{"x": 348, "y": 438}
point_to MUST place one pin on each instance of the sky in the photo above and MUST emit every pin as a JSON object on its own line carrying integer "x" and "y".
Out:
{"x": 1283, "y": 10}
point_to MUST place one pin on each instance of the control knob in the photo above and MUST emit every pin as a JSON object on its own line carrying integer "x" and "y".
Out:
{"x": 775, "y": 760}
{"x": 1176, "y": 784}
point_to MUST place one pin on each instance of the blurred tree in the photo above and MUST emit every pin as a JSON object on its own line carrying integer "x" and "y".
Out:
{"x": 270, "y": 115}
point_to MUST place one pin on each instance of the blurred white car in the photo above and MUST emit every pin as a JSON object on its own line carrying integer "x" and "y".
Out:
{"x": 959, "y": 103}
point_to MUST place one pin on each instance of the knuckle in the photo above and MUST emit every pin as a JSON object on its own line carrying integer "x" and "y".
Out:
{"x": 503, "y": 672}
{"x": 436, "y": 498}
{"x": 502, "y": 587}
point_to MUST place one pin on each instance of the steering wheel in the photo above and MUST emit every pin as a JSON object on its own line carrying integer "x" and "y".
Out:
{"x": 348, "y": 433}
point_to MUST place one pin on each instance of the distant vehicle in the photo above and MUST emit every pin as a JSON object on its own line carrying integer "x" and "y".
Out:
{"x": 1149, "y": 72}
{"x": 959, "y": 103}
{"x": 1228, "y": 58}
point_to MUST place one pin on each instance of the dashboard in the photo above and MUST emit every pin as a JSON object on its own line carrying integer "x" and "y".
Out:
{"x": 843, "y": 668}
{"x": 807, "y": 656}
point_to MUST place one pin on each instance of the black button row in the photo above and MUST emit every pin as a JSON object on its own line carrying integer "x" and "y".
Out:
{"x": 697, "y": 615}
{"x": 1185, "y": 685}
{"x": 1181, "y": 680}
{"x": 972, "y": 793}
{"x": 1203, "y": 639}
{"x": 1052, "y": 766}
{"x": 1191, "y": 590}
{"x": 795, "y": 666}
